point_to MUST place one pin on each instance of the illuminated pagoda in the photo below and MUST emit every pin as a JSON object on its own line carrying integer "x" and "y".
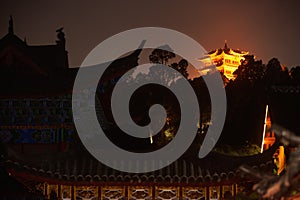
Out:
{"x": 42, "y": 152}
{"x": 226, "y": 60}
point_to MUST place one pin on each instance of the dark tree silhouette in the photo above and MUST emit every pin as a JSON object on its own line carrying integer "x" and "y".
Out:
{"x": 246, "y": 100}
{"x": 250, "y": 71}
{"x": 181, "y": 67}
{"x": 161, "y": 56}
{"x": 295, "y": 75}
{"x": 275, "y": 73}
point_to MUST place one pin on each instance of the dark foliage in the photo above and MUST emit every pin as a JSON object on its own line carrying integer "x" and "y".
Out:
{"x": 295, "y": 75}
{"x": 161, "y": 56}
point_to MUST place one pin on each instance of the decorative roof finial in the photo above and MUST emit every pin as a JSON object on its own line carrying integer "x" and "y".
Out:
{"x": 61, "y": 37}
{"x": 11, "y": 25}
{"x": 225, "y": 46}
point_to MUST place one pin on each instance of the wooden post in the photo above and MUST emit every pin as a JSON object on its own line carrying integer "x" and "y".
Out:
{"x": 153, "y": 192}
{"x": 207, "y": 192}
{"x": 221, "y": 192}
{"x": 45, "y": 190}
{"x": 99, "y": 192}
{"x": 234, "y": 190}
{"x": 126, "y": 192}
{"x": 73, "y": 192}
{"x": 59, "y": 195}
{"x": 180, "y": 192}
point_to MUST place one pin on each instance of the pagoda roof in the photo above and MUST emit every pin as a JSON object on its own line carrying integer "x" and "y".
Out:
{"x": 80, "y": 168}
{"x": 228, "y": 51}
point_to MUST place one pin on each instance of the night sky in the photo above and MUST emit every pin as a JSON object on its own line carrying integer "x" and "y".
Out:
{"x": 265, "y": 28}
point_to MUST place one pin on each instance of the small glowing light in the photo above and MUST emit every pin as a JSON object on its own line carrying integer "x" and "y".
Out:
{"x": 151, "y": 138}
{"x": 264, "y": 133}
{"x": 168, "y": 134}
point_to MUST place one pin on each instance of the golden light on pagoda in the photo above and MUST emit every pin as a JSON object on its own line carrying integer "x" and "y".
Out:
{"x": 226, "y": 60}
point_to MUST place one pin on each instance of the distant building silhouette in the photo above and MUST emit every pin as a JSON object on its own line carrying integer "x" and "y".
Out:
{"x": 40, "y": 58}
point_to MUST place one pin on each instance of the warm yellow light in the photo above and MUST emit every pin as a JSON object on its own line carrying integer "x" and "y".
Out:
{"x": 281, "y": 159}
{"x": 264, "y": 132}
{"x": 227, "y": 61}
{"x": 151, "y": 138}
{"x": 168, "y": 134}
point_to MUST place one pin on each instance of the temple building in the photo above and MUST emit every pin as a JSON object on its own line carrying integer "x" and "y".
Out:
{"x": 43, "y": 157}
{"x": 226, "y": 60}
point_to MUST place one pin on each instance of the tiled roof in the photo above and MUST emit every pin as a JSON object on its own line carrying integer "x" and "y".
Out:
{"x": 84, "y": 168}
